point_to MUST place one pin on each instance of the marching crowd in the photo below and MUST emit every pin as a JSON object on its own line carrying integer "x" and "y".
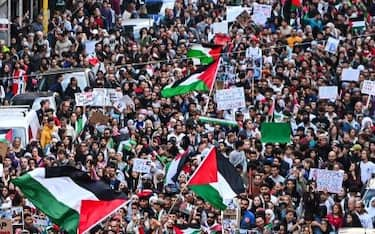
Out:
{"x": 280, "y": 197}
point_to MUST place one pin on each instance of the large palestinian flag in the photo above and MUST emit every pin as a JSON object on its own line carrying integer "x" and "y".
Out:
{"x": 201, "y": 80}
{"x": 68, "y": 196}
{"x": 206, "y": 54}
{"x": 216, "y": 180}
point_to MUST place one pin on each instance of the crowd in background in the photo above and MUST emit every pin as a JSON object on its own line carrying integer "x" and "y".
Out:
{"x": 328, "y": 134}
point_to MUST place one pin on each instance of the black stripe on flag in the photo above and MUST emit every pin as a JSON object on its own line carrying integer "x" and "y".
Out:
{"x": 101, "y": 189}
{"x": 230, "y": 174}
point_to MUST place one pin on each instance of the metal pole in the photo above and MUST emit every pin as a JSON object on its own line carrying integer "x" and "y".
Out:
{"x": 20, "y": 11}
{"x": 45, "y": 16}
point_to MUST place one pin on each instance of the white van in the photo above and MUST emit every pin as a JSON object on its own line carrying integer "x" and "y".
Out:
{"x": 22, "y": 123}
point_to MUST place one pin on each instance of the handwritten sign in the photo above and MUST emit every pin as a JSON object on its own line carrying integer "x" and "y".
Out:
{"x": 328, "y": 92}
{"x": 327, "y": 180}
{"x": 228, "y": 99}
{"x": 368, "y": 87}
{"x": 114, "y": 95}
{"x": 261, "y": 13}
{"x": 6, "y": 226}
{"x": 349, "y": 74}
{"x": 141, "y": 165}
{"x": 84, "y": 99}
{"x": 332, "y": 45}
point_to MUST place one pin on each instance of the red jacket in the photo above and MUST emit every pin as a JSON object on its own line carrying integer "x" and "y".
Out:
{"x": 337, "y": 222}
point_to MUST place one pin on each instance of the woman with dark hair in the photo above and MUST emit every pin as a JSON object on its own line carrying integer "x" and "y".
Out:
{"x": 351, "y": 220}
{"x": 336, "y": 217}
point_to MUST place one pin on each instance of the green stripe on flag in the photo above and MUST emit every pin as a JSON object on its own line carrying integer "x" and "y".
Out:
{"x": 210, "y": 194}
{"x": 58, "y": 212}
{"x": 204, "y": 58}
{"x": 218, "y": 121}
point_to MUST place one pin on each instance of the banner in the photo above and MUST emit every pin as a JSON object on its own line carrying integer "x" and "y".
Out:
{"x": 229, "y": 99}
{"x": 141, "y": 165}
{"x": 327, "y": 180}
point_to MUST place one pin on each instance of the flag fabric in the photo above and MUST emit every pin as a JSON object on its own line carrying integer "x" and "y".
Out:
{"x": 221, "y": 39}
{"x": 223, "y": 122}
{"x": 275, "y": 132}
{"x": 216, "y": 180}
{"x": 80, "y": 123}
{"x": 186, "y": 231}
{"x": 9, "y": 135}
{"x": 295, "y": 4}
{"x": 206, "y": 54}
{"x": 176, "y": 166}
{"x": 59, "y": 191}
{"x": 201, "y": 80}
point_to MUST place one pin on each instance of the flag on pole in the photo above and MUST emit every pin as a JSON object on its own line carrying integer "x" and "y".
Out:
{"x": 223, "y": 122}
{"x": 175, "y": 167}
{"x": 59, "y": 192}
{"x": 205, "y": 53}
{"x": 216, "y": 180}
{"x": 201, "y": 80}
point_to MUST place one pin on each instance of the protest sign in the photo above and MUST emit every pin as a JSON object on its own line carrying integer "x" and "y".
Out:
{"x": 332, "y": 45}
{"x": 327, "y": 180}
{"x": 231, "y": 216}
{"x": 234, "y": 11}
{"x": 3, "y": 149}
{"x": 220, "y": 27}
{"x": 141, "y": 165}
{"x": 101, "y": 97}
{"x": 84, "y": 99}
{"x": 123, "y": 102}
{"x": 229, "y": 99}
{"x": 328, "y": 92}
{"x": 368, "y": 87}
{"x": 98, "y": 118}
{"x": 261, "y": 13}
{"x": 6, "y": 226}
{"x": 114, "y": 95}
{"x": 17, "y": 215}
{"x": 90, "y": 47}
{"x": 349, "y": 74}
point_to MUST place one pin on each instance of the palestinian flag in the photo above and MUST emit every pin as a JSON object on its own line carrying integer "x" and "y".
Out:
{"x": 206, "y": 54}
{"x": 176, "y": 166}
{"x": 202, "y": 80}
{"x": 295, "y": 4}
{"x": 222, "y": 122}
{"x": 80, "y": 124}
{"x": 69, "y": 197}
{"x": 186, "y": 231}
{"x": 216, "y": 180}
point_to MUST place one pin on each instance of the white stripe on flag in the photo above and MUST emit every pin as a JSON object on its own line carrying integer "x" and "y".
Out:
{"x": 223, "y": 187}
{"x": 64, "y": 189}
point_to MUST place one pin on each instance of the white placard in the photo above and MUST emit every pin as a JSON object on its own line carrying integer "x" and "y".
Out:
{"x": 220, "y": 27}
{"x": 90, "y": 47}
{"x": 328, "y": 92}
{"x": 141, "y": 165}
{"x": 261, "y": 13}
{"x": 332, "y": 45}
{"x": 84, "y": 99}
{"x": 327, "y": 180}
{"x": 114, "y": 95}
{"x": 101, "y": 97}
{"x": 229, "y": 99}
{"x": 234, "y": 11}
{"x": 358, "y": 24}
{"x": 368, "y": 87}
{"x": 349, "y": 74}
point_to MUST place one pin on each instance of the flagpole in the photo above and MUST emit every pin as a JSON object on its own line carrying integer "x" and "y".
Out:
{"x": 211, "y": 88}
{"x": 105, "y": 217}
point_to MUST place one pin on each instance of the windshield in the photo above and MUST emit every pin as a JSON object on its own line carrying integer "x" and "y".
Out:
{"x": 10, "y": 133}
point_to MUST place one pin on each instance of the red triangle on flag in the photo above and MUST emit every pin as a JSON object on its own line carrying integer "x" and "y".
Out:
{"x": 207, "y": 171}
{"x": 93, "y": 212}
{"x": 9, "y": 135}
{"x": 209, "y": 75}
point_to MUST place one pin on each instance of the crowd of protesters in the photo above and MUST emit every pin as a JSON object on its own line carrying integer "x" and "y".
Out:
{"x": 327, "y": 134}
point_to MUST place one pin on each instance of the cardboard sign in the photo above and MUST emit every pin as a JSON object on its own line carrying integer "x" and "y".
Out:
{"x": 327, "y": 180}
{"x": 3, "y": 149}
{"x": 349, "y": 74}
{"x": 328, "y": 92}
{"x": 141, "y": 165}
{"x": 98, "y": 118}
{"x": 368, "y": 87}
{"x": 229, "y": 99}
{"x": 332, "y": 45}
{"x": 6, "y": 226}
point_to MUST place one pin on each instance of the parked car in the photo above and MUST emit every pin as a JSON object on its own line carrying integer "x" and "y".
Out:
{"x": 83, "y": 76}
{"x": 32, "y": 100}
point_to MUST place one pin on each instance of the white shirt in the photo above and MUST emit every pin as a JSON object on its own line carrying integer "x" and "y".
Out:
{"x": 366, "y": 170}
